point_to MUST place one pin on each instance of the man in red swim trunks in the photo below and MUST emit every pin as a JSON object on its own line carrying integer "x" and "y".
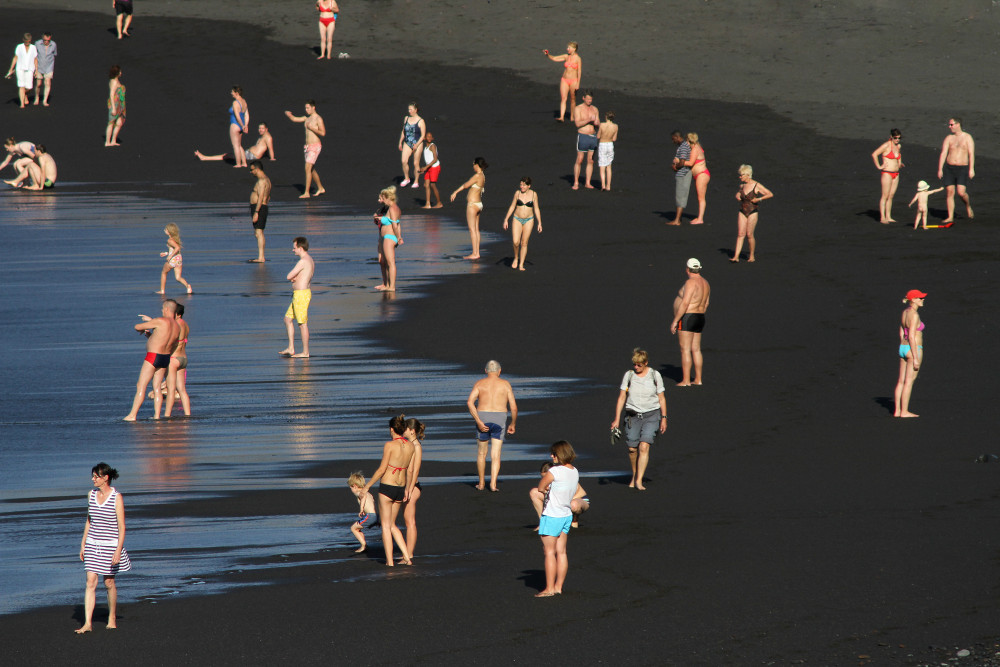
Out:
{"x": 163, "y": 333}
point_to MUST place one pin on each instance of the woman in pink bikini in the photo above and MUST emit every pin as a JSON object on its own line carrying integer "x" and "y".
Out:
{"x": 911, "y": 351}
{"x": 892, "y": 161}
{"x": 570, "y": 81}
{"x": 328, "y": 11}
{"x": 699, "y": 172}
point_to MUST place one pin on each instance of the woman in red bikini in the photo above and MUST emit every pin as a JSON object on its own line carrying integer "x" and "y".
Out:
{"x": 892, "y": 161}
{"x": 328, "y": 11}
{"x": 570, "y": 81}
{"x": 397, "y": 459}
{"x": 699, "y": 172}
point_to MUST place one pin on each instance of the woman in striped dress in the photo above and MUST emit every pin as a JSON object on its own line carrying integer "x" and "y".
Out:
{"x": 102, "y": 547}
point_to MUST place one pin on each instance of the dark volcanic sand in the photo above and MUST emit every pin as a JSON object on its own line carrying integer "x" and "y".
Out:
{"x": 788, "y": 518}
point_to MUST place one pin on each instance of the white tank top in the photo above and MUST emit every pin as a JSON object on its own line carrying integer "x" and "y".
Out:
{"x": 428, "y": 156}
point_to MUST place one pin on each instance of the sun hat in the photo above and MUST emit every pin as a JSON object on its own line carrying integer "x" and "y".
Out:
{"x": 922, "y": 185}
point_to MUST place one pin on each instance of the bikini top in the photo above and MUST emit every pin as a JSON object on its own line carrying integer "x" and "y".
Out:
{"x": 890, "y": 156}
{"x": 386, "y": 220}
{"x": 525, "y": 203}
{"x": 477, "y": 185}
{"x": 697, "y": 161}
{"x": 906, "y": 330}
{"x": 571, "y": 65}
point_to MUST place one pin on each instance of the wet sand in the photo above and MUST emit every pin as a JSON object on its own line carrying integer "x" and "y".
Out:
{"x": 788, "y": 516}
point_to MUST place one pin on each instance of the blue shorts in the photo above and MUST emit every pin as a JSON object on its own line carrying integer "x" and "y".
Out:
{"x": 496, "y": 422}
{"x": 553, "y": 525}
{"x": 586, "y": 143}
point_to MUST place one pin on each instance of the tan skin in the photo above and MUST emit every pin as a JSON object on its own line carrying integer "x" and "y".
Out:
{"x": 699, "y": 174}
{"x": 397, "y": 458}
{"x": 569, "y": 82}
{"x": 746, "y": 224}
{"x": 163, "y": 333}
{"x": 237, "y": 131}
{"x": 639, "y": 456}
{"x": 888, "y": 168}
{"x": 326, "y": 9}
{"x": 387, "y": 247}
{"x": 556, "y": 561}
{"x": 522, "y": 232}
{"x": 115, "y": 125}
{"x": 475, "y": 186}
{"x": 412, "y": 491}
{"x": 175, "y": 247}
{"x": 101, "y": 483}
{"x": 408, "y": 152}
{"x": 177, "y": 377}
{"x": 910, "y": 366}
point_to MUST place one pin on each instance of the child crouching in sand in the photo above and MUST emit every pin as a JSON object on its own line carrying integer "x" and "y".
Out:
{"x": 560, "y": 483}
{"x": 923, "y": 192}
{"x": 366, "y": 508}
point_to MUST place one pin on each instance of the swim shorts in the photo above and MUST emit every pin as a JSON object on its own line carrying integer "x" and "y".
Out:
{"x": 585, "y": 143}
{"x": 311, "y": 152}
{"x": 432, "y": 174}
{"x": 123, "y": 7}
{"x": 641, "y": 427}
{"x": 158, "y": 360}
{"x": 299, "y": 308}
{"x": 496, "y": 422}
{"x": 261, "y": 216}
{"x": 956, "y": 174}
{"x": 249, "y": 155}
{"x": 552, "y": 526}
{"x": 693, "y": 322}
{"x": 605, "y": 153}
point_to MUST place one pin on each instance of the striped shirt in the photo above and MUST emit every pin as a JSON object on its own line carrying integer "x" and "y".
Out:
{"x": 683, "y": 153}
{"x": 102, "y": 537}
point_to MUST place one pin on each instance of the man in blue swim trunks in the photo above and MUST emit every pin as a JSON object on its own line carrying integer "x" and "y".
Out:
{"x": 488, "y": 404}
{"x": 587, "y": 119}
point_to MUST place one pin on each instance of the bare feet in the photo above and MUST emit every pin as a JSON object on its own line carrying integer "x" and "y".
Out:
{"x": 589, "y": 186}
{"x": 968, "y": 211}
{"x": 190, "y": 290}
{"x": 111, "y": 626}
{"x": 427, "y": 206}
{"x": 546, "y": 594}
{"x": 640, "y": 487}
{"x": 521, "y": 268}
{"x": 319, "y": 192}
{"x": 697, "y": 221}
{"x": 948, "y": 220}
{"x": 129, "y": 418}
{"x": 576, "y": 187}
{"x": 752, "y": 259}
{"x": 84, "y": 629}
{"x": 11, "y": 182}
{"x": 158, "y": 292}
{"x": 304, "y": 196}
{"x": 683, "y": 384}
{"x": 287, "y": 352}
{"x": 256, "y": 261}
{"x": 383, "y": 288}
{"x": 471, "y": 257}
{"x": 675, "y": 223}
{"x": 481, "y": 486}
{"x": 300, "y": 355}
{"x": 362, "y": 549}
{"x": 321, "y": 56}
{"x": 438, "y": 205}
{"x": 514, "y": 264}
{"x": 734, "y": 260}
{"x": 907, "y": 414}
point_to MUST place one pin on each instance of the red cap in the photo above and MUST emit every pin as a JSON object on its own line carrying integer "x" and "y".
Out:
{"x": 915, "y": 294}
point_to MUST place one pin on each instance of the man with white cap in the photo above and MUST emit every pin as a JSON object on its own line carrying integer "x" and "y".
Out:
{"x": 689, "y": 320}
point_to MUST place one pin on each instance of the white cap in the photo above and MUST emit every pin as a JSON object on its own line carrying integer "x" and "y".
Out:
{"x": 693, "y": 263}
{"x": 922, "y": 185}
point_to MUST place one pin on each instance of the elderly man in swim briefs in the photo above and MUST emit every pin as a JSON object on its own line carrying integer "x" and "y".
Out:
{"x": 487, "y": 404}
{"x": 163, "y": 333}
{"x": 587, "y": 119}
{"x": 957, "y": 166}
{"x": 689, "y": 321}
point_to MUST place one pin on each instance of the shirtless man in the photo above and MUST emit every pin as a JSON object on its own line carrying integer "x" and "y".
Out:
{"x": 163, "y": 333}
{"x": 264, "y": 146}
{"x": 260, "y": 197}
{"x": 957, "y": 166}
{"x": 314, "y": 130}
{"x": 587, "y": 119}
{"x": 42, "y": 170}
{"x": 298, "y": 311}
{"x": 607, "y": 135}
{"x": 488, "y": 406}
{"x": 689, "y": 320}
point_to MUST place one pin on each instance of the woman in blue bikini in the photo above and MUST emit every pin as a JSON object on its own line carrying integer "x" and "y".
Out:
{"x": 911, "y": 351}
{"x": 390, "y": 235}
{"x": 394, "y": 471}
{"x": 524, "y": 208}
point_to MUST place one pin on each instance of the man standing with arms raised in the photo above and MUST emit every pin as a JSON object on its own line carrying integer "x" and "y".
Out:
{"x": 689, "y": 320}
{"x": 314, "y": 130}
{"x": 488, "y": 403}
{"x": 957, "y": 166}
{"x": 163, "y": 333}
{"x": 587, "y": 119}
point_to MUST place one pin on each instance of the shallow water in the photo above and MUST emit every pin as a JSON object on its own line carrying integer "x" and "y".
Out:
{"x": 76, "y": 269}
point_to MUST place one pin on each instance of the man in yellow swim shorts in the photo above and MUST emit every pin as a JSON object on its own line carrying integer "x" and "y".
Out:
{"x": 298, "y": 311}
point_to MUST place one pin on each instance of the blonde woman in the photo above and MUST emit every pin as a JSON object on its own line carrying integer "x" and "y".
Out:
{"x": 474, "y": 202}
{"x": 174, "y": 260}
{"x": 749, "y": 195}
{"x": 699, "y": 172}
{"x": 911, "y": 351}
{"x": 390, "y": 235}
{"x": 570, "y": 81}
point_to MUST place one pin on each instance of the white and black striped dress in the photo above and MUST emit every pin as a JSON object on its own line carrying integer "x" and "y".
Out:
{"x": 102, "y": 537}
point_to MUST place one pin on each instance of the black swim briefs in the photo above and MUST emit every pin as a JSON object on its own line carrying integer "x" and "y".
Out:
{"x": 693, "y": 322}
{"x": 261, "y": 216}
